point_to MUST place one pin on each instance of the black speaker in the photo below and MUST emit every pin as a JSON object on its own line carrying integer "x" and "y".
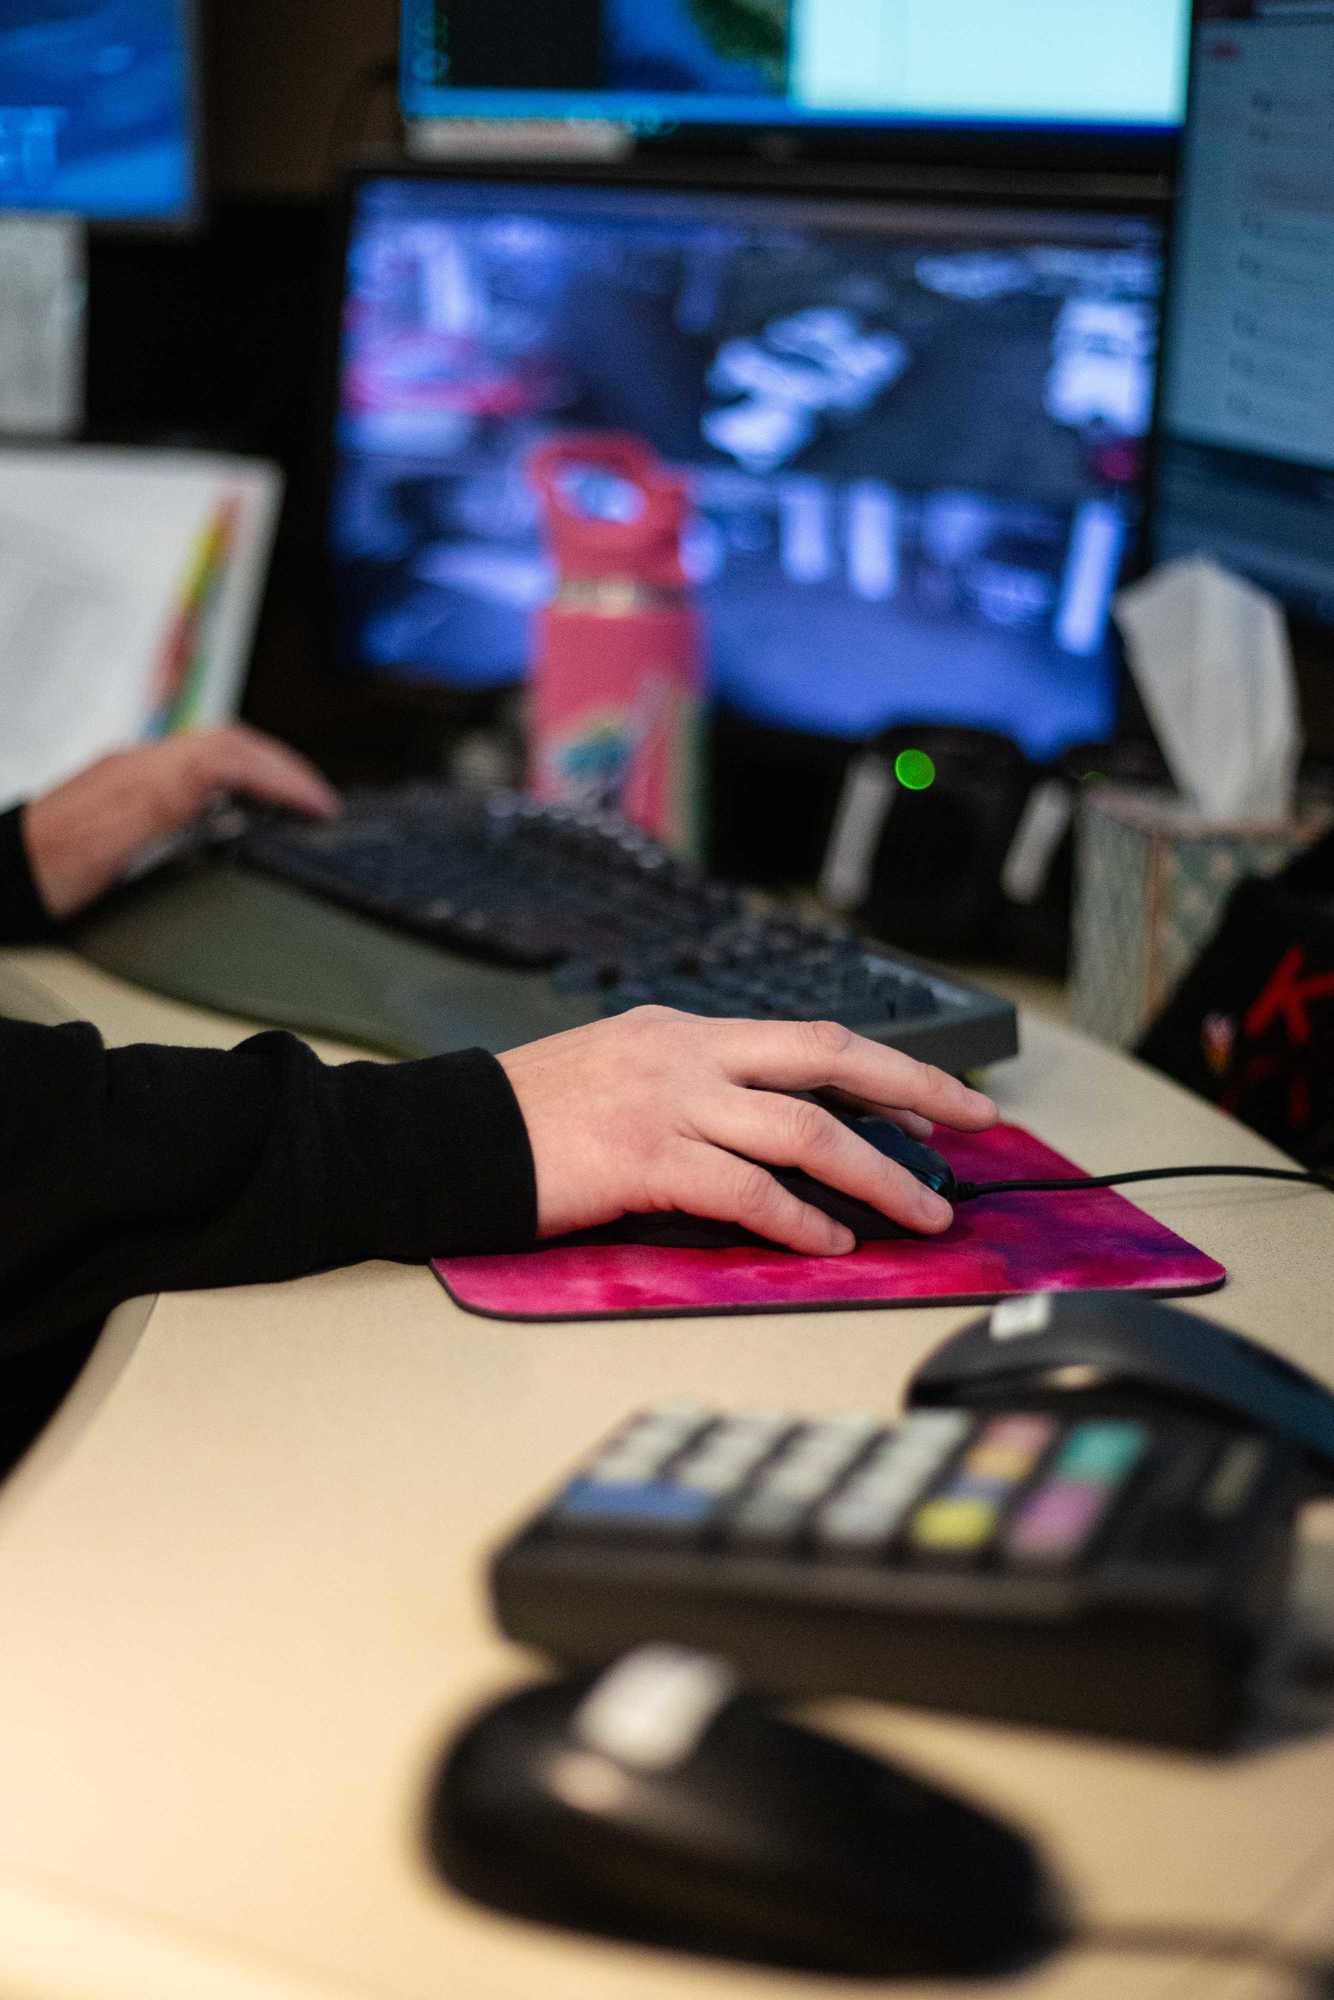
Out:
{"x": 929, "y": 841}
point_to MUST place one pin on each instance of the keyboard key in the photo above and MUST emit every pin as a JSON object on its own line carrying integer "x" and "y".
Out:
{"x": 796, "y": 1478}
{"x": 659, "y": 1512}
{"x": 867, "y": 1514}
{"x": 931, "y": 1437}
{"x": 818, "y": 1456}
{"x": 1058, "y": 1523}
{"x": 629, "y": 1464}
{"x": 726, "y": 1459}
{"x": 1101, "y": 1452}
{"x": 639, "y": 1452}
{"x": 1009, "y": 1449}
{"x": 886, "y": 1485}
{"x": 766, "y": 1519}
{"x": 954, "y": 1524}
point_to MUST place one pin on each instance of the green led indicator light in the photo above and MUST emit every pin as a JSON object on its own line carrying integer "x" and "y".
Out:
{"x": 914, "y": 770}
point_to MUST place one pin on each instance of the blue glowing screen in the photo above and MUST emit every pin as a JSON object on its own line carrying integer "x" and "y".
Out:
{"x": 913, "y": 438}
{"x": 96, "y": 108}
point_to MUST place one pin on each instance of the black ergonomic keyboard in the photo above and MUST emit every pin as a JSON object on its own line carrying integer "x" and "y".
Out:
{"x": 611, "y": 918}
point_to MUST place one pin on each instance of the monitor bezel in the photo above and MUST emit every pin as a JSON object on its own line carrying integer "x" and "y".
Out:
{"x": 1041, "y": 146}
{"x": 1310, "y": 636}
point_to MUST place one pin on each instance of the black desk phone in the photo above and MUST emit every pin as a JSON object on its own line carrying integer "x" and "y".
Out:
{"x": 1103, "y": 1545}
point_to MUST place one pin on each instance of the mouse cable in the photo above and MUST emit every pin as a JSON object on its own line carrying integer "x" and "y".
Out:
{"x": 1070, "y": 1183}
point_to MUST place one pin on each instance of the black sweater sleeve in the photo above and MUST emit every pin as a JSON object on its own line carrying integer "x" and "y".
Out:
{"x": 23, "y": 916}
{"x": 153, "y": 1169}
{"x": 143, "y": 1169}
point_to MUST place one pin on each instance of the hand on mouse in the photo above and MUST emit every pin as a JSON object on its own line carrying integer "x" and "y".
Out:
{"x": 83, "y": 836}
{"x": 658, "y": 1110}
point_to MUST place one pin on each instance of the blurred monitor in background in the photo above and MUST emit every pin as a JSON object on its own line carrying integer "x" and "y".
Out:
{"x": 98, "y": 109}
{"x": 1246, "y": 458}
{"x": 804, "y": 67}
{"x": 913, "y": 438}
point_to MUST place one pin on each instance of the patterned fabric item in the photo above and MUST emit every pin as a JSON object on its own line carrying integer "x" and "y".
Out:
{"x": 997, "y": 1246}
{"x": 1251, "y": 1027}
{"x": 1152, "y": 884}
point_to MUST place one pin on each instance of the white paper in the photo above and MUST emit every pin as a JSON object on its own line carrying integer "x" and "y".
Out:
{"x": 1212, "y": 662}
{"x": 98, "y": 551}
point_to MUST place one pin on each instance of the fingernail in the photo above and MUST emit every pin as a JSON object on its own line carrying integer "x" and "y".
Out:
{"x": 841, "y": 1241}
{"x": 934, "y": 1208}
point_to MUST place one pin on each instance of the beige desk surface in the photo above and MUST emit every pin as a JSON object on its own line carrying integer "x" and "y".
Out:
{"x": 242, "y": 1587}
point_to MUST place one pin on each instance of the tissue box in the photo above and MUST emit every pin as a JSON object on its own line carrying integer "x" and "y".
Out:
{"x": 1151, "y": 881}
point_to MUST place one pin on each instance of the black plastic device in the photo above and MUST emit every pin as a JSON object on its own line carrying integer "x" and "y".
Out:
{"x": 1138, "y": 1348}
{"x": 612, "y": 919}
{"x": 660, "y": 1803}
{"x": 1086, "y": 1569}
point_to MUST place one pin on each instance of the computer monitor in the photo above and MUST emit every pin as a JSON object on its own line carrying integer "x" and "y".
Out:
{"x": 802, "y": 66}
{"x": 97, "y": 109}
{"x": 1245, "y": 469}
{"x": 912, "y": 436}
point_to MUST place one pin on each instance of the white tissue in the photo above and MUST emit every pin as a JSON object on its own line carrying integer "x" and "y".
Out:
{"x": 1211, "y": 659}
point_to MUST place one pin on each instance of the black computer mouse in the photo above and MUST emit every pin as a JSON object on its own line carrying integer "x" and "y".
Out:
{"x": 657, "y": 1803}
{"x": 1053, "y": 1341}
{"x": 674, "y": 1230}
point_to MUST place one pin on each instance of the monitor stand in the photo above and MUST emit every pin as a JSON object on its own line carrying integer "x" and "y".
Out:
{"x": 42, "y": 325}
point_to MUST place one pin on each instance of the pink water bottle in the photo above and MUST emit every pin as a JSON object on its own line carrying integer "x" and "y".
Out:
{"x": 617, "y": 670}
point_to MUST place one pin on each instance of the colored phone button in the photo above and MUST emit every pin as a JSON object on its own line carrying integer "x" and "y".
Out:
{"x": 1009, "y": 1449}
{"x": 1057, "y": 1524}
{"x": 767, "y": 1520}
{"x": 1102, "y": 1453}
{"x": 1027, "y": 1434}
{"x": 954, "y": 1525}
{"x": 650, "y": 1509}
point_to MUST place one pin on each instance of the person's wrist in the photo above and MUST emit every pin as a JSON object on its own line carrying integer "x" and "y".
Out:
{"x": 55, "y": 868}
{"x": 45, "y": 881}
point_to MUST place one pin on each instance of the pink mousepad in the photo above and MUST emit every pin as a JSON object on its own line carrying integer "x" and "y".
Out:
{"x": 997, "y": 1246}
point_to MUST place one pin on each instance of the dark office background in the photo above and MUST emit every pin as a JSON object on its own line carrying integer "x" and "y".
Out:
{"x": 217, "y": 337}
